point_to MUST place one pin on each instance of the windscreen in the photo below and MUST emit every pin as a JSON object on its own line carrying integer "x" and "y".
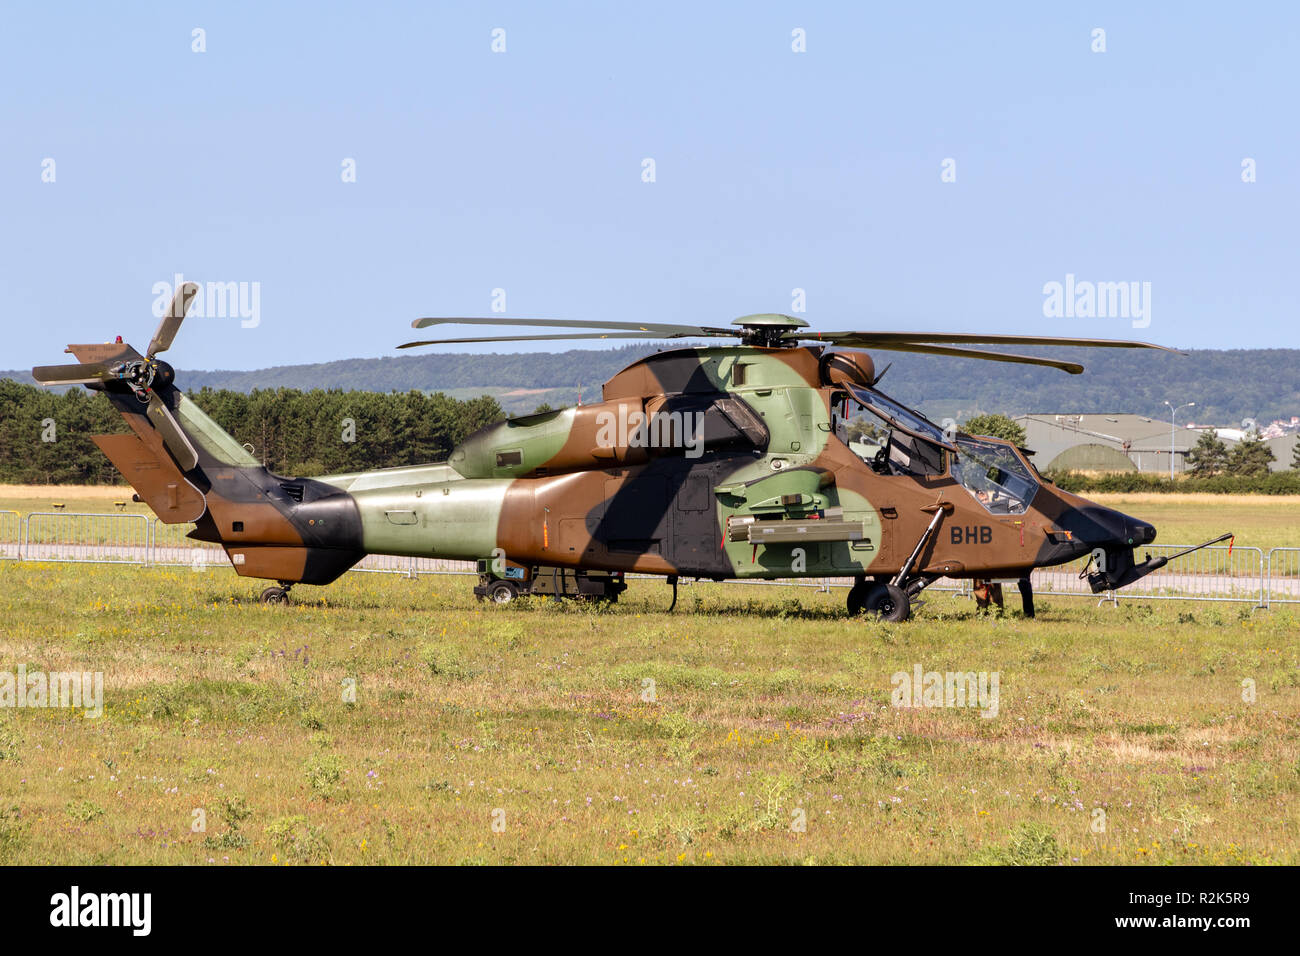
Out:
{"x": 994, "y": 475}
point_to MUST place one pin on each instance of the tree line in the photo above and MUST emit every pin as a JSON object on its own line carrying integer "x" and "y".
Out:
{"x": 1249, "y": 458}
{"x": 45, "y": 436}
{"x": 1273, "y": 483}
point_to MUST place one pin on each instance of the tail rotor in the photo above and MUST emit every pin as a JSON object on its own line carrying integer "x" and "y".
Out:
{"x": 144, "y": 375}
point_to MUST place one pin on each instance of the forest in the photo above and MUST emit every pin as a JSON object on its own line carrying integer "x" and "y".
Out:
{"x": 45, "y": 436}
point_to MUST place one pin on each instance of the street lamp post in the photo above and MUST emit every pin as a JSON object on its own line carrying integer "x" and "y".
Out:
{"x": 1173, "y": 413}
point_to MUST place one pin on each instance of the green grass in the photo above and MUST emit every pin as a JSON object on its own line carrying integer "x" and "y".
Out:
{"x": 481, "y": 734}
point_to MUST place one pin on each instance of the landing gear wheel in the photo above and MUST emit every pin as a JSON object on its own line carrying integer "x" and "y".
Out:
{"x": 857, "y": 599}
{"x": 275, "y": 596}
{"x": 888, "y": 603}
{"x": 503, "y": 592}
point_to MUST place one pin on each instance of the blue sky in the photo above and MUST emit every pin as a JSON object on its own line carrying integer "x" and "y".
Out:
{"x": 522, "y": 170}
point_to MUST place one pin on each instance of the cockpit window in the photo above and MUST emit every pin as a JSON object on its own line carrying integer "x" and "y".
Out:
{"x": 994, "y": 475}
{"x": 897, "y": 415}
{"x": 914, "y": 445}
{"x": 908, "y": 444}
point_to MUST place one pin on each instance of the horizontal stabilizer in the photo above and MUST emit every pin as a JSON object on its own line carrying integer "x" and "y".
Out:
{"x": 154, "y": 477}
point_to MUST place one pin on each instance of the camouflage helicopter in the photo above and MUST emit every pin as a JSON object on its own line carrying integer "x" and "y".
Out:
{"x": 709, "y": 461}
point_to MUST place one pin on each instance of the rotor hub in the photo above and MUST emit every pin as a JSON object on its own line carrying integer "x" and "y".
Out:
{"x": 769, "y": 329}
{"x": 142, "y": 376}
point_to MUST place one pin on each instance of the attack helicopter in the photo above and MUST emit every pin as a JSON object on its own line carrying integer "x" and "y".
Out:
{"x": 723, "y": 460}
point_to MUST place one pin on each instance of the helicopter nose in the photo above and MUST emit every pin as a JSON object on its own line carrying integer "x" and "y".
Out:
{"x": 1140, "y": 532}
{"x": 1100, "y": 527}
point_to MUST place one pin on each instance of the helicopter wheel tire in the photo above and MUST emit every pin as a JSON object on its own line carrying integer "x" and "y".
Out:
{"x": 503, "y": 592}
{"x": 275, "y": 596}
{"x": 888, "y": 603}
{"x": 857, "y": 599}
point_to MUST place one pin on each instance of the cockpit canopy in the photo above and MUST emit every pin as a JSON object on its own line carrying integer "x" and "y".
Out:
{"x": 994, "y": 474}
{"x": 992, "y": 471}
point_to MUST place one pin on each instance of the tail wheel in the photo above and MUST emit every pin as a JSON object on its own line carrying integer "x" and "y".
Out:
{"x": 503, "y": 592}
{"x": 275, "y": 596}
{"x": 888, "y": 603}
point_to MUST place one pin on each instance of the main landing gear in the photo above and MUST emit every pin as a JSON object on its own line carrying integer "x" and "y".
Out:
{"x": 277, "y": 595}
{"x": 890, "y": 599}
{"x": 879, "y": 599}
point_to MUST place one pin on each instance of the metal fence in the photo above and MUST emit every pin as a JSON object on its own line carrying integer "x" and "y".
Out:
{"x": 1283, "y": 576}
{"x": 444, "y": 566}
{"x": 1240, "y": 574}
{"x": 170, "y": 546}
{"x": 412, "y": 567}
{"x": 11, "y": 535}
{"x": 1211, "y": 574}
{"x": 67, "y": 536}
{"x": 386, "y": 564}
{"x": 83, "y": 537}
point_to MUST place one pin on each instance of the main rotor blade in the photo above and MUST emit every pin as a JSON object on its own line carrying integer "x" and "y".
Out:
{"x": 1074, "y": 368}
{"x": 172, "y": 318}
{"x": 668, "y": 330}
{"x": 878, "y": 339}
{"x": 172, "y": 435}
{"x": 540, "y": 338}
{"x": 79, "y": 374}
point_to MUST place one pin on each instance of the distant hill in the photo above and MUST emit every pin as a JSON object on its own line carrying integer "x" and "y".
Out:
{"x": 519, "y": 381}
{"x": 1227, "y": 386}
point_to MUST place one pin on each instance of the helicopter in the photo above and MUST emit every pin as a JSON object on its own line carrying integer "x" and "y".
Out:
{"x": 716, "y": 461}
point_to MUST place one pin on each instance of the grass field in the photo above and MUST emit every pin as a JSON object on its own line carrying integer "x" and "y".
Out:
{"x": 527, "y": 734}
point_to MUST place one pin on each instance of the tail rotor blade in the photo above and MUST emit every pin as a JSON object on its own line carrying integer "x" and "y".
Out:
{"x": 172, "y": 318}
{"x": 173, "y": 437}
{"x": 80, "y": 374}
